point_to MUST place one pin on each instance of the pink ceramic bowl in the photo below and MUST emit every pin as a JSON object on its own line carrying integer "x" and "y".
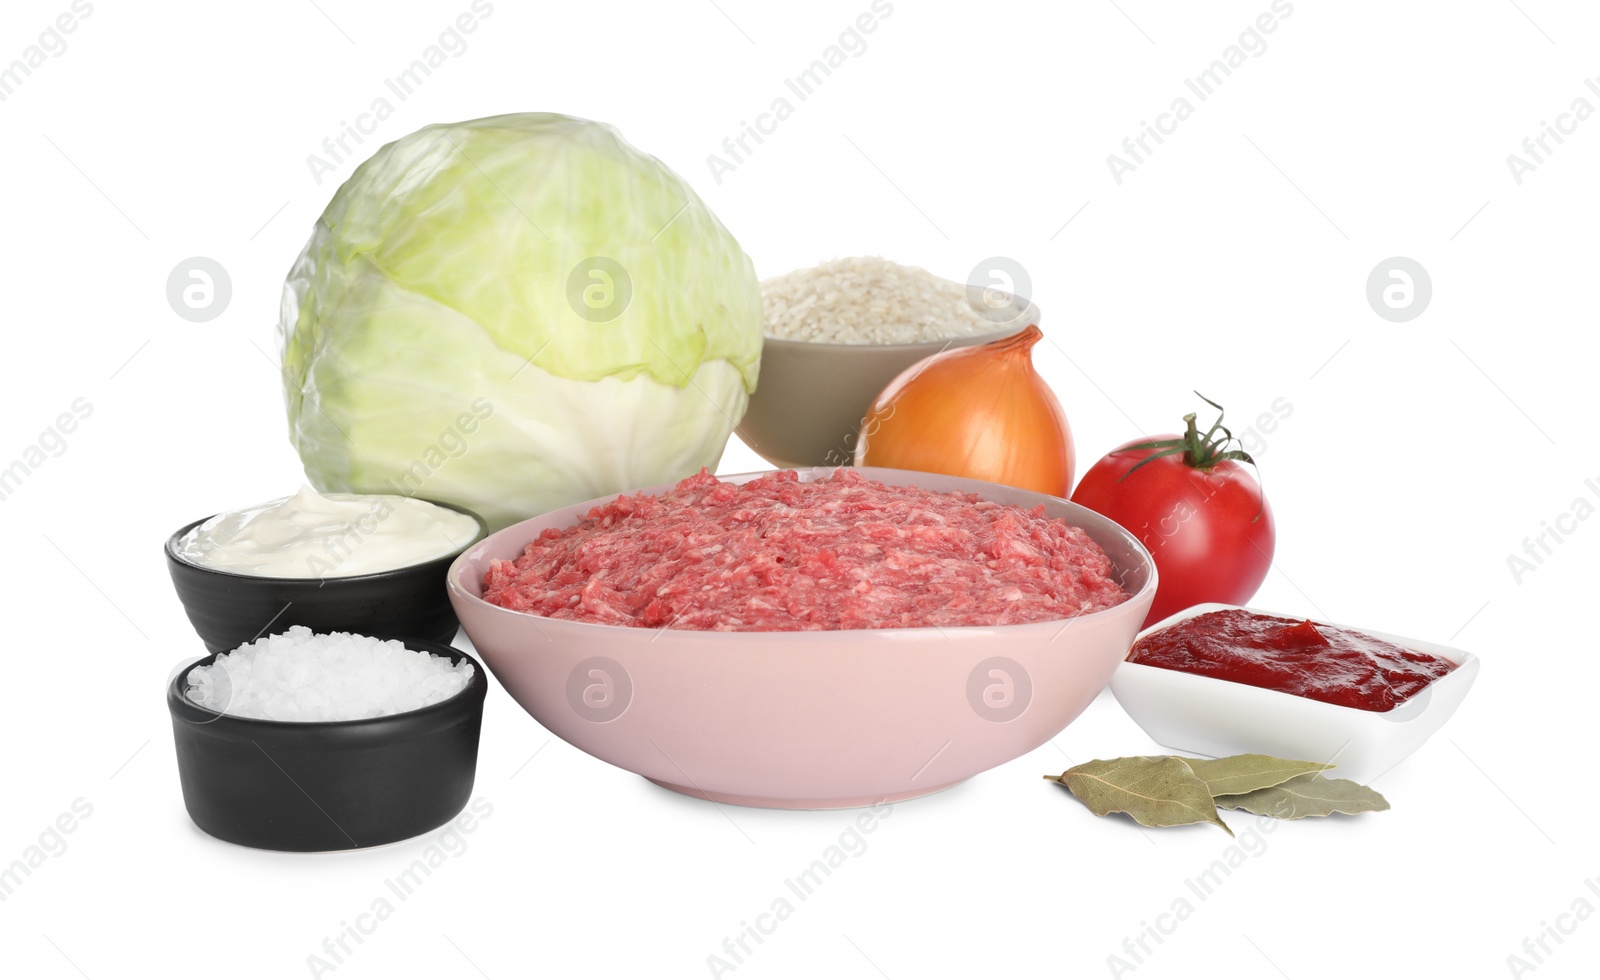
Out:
{"x": 807, "y": 719}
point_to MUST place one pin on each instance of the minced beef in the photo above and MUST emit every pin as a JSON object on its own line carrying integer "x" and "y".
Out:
{"x": 843, "y": 552}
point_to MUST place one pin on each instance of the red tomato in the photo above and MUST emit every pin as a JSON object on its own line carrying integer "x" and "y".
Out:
{"x": 1200, "y": 513}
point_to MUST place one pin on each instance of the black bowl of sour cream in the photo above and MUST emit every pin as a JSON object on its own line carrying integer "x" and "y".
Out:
{"x": 239, "y": 589}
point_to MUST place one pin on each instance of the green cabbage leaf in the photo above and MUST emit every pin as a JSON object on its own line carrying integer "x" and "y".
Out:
{"x": 514, "y": 314}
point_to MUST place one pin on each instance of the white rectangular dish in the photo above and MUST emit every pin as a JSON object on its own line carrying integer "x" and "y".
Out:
{"x": 1208, "y": 716}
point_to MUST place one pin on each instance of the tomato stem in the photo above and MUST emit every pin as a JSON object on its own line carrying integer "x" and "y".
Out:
{"x": 1201, "y": 452}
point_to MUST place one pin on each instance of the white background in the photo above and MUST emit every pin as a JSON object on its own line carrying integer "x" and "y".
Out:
{"x": 1417, "y": 457}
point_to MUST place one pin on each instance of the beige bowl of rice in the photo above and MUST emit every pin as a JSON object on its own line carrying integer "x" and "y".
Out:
{"x": 839, "y": 332}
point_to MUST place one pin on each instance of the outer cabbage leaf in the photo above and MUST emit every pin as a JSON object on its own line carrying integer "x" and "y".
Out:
{"x": 437, "y": 341}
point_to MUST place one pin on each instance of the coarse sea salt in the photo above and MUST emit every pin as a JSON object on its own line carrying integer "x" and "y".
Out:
{"x": 304, "y": 676}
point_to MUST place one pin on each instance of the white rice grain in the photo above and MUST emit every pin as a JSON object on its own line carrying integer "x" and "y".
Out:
{"x": 871, "y": 300}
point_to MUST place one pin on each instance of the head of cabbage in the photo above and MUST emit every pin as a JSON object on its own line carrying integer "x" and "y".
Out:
{"x": 515, "y": 314}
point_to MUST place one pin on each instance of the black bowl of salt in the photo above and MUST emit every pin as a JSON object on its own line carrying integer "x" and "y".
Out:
{"x": 326, "y": 785}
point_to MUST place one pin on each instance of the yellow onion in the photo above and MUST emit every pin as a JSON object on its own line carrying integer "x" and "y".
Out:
{"x": 979, "y": 412}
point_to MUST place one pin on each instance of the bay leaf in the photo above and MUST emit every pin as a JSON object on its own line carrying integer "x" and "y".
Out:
{"x": 1311, "y": 795}
{"x": 1156, "y": 791}
{"x": 1238, "y": 774}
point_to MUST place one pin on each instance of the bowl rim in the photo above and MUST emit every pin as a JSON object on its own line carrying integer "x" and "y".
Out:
{"x": 1029, "y": 316}
{"x": 171, "y": 546}
{"x": 1405, "y": 711}
{"x": 182, "y": 707}
{"x": 463, "y": 561}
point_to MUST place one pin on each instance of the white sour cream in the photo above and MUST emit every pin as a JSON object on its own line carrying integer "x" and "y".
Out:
{"x": 336, "y": 535}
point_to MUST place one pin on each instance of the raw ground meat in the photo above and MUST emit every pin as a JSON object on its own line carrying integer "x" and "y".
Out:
{"x": 843, "y": 552}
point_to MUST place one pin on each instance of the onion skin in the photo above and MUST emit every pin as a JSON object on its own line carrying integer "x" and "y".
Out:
{"x": 978, "y": 412}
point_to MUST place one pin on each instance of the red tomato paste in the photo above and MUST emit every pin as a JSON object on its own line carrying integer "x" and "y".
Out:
{"x": 1312, "y": 660}
{"x": 775, "y": 553}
